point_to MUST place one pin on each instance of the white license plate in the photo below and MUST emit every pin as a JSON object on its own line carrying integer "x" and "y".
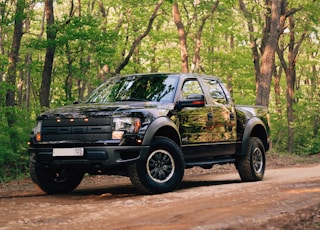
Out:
{"x": 68, "y": 152}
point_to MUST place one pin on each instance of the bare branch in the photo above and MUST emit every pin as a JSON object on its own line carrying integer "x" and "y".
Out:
{"x": 139, "y": 38}
{"x": 292, "y": 11}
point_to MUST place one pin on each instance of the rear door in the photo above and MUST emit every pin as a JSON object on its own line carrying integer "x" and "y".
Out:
{"x": 222, "y": 123}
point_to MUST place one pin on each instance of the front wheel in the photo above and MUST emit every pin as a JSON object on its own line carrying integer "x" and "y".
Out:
{"x": 161, "y": 170}
{"x": 252, "y": 164}
{"x": 56, "y": 180}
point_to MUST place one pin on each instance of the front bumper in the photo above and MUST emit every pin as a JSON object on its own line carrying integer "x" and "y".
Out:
{"x": 94, "y": 156}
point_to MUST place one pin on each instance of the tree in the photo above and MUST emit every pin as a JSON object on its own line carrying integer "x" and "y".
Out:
{"x": 252, "y": 38}
{"x": 4, "y": 12}
{"x": 14, "y": 58}
{"x": 50, "y": 51}
{"x": 196, "y": 15}
{"x": 290, "y": 70}
{"x": 13, "y": 117}
{"x": 182, "y": 38}
{"x": 264, "y": 64}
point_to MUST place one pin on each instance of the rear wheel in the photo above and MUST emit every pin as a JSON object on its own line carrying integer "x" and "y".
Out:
{"x": 56, "y": 180}
{"x": 251, "y": 166}
{"x": 161, "y": 170}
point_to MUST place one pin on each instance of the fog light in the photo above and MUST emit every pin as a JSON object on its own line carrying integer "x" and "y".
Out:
{"x": 117, "y": 135}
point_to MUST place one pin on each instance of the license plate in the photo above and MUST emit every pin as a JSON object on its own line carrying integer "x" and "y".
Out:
{"x": 68, "y": 152}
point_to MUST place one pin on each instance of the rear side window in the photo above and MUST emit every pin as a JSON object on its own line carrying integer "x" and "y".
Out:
{"x": 216, "y": 92}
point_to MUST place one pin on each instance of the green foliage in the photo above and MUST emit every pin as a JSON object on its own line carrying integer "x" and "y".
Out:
{"x": 14, "y": 158}
{"x": 306, "y": 125}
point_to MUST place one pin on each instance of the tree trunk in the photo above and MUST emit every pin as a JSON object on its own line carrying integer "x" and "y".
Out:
{"x": 290, "y": 71}
{"x": 182, "y": 37}
{"x": 314, "y": 97}
{"x": 229, "y": 76}
{"x": 1, "y": 39}
{"x": 20, "y": 86}
{"x": 82, "y": 82}
{"x": 277, "y": 88}
{"x": 2, "y": 15}
{"x": 14, "y": 59}
{"x": 48, "y": 63}
{"x": 253, "y": 40}
{"x": 28, "y": 62}
{"x": 290, "y": 79}
{"x": 268, "y": 56}
{"x": 69, "y": 79}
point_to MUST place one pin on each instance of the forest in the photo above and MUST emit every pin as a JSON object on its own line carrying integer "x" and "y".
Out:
{"x": 53, "y": 53}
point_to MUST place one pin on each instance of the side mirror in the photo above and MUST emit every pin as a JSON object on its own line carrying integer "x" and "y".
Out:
{"x": 192, "y": 100}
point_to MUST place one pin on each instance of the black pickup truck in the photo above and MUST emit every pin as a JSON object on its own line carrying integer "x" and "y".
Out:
{"x": 150, "y": 127}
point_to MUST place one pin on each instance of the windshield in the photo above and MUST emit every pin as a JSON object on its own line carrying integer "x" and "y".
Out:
{"x": 156, "y": 88}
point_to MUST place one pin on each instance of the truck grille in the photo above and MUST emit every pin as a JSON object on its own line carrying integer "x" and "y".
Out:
{"x": 82, "y": 130}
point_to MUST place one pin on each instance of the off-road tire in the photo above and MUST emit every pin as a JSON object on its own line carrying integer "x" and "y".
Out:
{"x": 252, "y": 164}
{"x": 161, "y": 170}
{"x": 55, "y": 180}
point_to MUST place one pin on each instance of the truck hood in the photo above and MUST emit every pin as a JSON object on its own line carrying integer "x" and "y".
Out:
{"x": 111, "y": 109}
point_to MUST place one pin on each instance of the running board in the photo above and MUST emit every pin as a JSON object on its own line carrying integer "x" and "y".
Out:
{"x": 206, "y": 162}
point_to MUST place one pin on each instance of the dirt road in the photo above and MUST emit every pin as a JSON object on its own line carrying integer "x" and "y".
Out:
{"x": 288, "y": 198}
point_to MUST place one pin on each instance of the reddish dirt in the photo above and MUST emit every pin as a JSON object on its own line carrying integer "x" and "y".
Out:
{"x": 287, "y": 198}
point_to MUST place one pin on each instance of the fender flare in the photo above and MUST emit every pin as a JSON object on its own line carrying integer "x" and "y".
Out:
{"x": 252, "y": 123}
{"x": 156, "y": 125}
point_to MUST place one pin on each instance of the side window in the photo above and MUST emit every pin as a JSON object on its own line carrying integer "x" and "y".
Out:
{"x": 216, "y": 92}
{"x": 190, "y": 87}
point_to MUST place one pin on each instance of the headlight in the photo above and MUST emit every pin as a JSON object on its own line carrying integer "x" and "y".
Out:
{"x": 123, "y": 125}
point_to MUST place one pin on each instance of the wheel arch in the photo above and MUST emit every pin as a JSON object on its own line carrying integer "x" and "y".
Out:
{"x": 162, "y": 126}
{"x": 255, "y": 128}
